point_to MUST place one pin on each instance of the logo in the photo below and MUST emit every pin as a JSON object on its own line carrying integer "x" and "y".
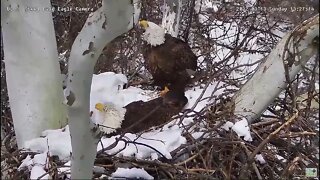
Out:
{"x": 311, "y": 172}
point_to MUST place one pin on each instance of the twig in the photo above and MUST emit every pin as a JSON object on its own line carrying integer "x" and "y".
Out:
{"x": 190, "y": 158}
{"x": 297, "y": 134}
{"x": 253, "y": 164}
{"x": 201, "y": 170}
{"x": 265, "y": 141}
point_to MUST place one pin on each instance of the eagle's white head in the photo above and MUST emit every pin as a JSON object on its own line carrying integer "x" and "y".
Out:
{"x": 154, "y": 34}
{"x": 109, "y": 116}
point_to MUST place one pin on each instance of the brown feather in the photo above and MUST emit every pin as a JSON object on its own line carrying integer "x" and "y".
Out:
{"x": 168, "y": 62}
{"x": 141, "y": 116}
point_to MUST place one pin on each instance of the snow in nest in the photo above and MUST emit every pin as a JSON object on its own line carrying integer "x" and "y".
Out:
{"x": 36, "y": 165}
{"x": 108, "y": 88}
{"x": 56, "y": 142}
{"x": 241, "y": 128}
{"x": 66, "y": 169}
{"x": 131, "y": 173}
{"x": 280, "y": 158}
{"x": 194, "y": 93}
{"x": 163, "y": 141}
{"x": 260, "y": 159}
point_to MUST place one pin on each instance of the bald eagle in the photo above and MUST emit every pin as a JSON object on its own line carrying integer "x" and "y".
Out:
{"x": 169, "y": 60}
{"x": 139, "y": 116}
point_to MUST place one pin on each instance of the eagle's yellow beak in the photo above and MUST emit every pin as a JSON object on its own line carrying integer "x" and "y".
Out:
{"x": 144, "y": 24}
{"x": 100, "y": 107}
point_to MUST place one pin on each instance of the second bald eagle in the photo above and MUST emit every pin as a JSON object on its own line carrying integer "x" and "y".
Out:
{"x": 169, "y": 60}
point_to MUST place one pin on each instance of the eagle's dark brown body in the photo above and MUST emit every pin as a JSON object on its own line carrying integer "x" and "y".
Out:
{"x": 141, "y": 116}
{"x": 168, "y": 63}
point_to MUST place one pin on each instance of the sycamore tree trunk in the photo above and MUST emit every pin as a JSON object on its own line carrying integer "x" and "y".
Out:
{"x": 171, "y": 16}
{"x": 284, "y": 62}
{"x": 114, "y": 18}
{"x": 32, "y": 69}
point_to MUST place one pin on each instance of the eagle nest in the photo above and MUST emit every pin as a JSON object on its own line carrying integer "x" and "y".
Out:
{"x": 217, "y": 155}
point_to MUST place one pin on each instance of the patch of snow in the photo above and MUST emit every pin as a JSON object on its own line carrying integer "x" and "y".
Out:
{"x": 56, "y": 142}
{"x": 38, "y": 171}
{"x": 242, "y": 129}
{"x": 260, "y": 159}
{"x": 131, "y": 173}
{"x": 163, "y": 141}
{"x": 103, "y": 92}
{"x": 280, "y": 158}
{"x": 316, "y": 86}
{"x": 246, "y": 58}
{"x": 99, "y": 169}
{"x": 37, "y": 166}
{"x": 40, "y": 159}
{"x": 227, "y": 126}
{"x": 66, "y": 170}
{"x": 27, "y": 162}
{"x": 154, "y": 156}
{"x": 197, "y": 135}
{"x": 194, "y": 93}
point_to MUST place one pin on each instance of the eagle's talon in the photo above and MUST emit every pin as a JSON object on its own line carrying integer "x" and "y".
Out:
{"x": 164, "y": 91}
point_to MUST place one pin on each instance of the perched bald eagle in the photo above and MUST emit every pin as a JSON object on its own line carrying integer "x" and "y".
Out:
{"x": 139, "y": 116}
{"x": 169, "y": 60}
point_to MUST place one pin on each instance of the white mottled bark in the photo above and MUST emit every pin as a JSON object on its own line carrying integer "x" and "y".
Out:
{"x": 111, "y": 20}
{"x": 171, "y": 16}
{"x": 269, "y": 80}
{"x": 32, "y": 69}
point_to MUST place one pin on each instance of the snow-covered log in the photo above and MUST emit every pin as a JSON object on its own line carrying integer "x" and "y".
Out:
{"x": 111, "y": 20}
{"x": 171, "y": 16}
{"x": 285, "y": 60}
{"x": 32, "y": 69}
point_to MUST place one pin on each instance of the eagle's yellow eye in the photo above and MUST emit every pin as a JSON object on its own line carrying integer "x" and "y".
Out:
{"x": 100, "y": 107}
{"x": 144, "y": 24}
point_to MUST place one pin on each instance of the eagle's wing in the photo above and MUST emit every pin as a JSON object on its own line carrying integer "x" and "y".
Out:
{"x": 182, "y": 54}
{"x": 168, "y": 62}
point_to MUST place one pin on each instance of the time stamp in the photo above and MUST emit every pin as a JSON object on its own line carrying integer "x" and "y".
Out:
{"x": 277, "y": 9}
